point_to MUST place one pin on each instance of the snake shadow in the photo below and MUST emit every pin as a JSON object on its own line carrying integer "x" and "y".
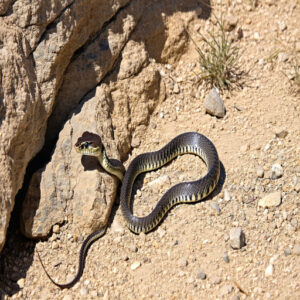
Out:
{"x": 140, "y": 181}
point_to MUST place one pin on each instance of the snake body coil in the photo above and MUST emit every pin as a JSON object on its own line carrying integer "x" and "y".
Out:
{"x": 190, "y": 142}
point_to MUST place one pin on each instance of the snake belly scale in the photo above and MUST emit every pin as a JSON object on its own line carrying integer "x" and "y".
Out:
{"x": 189, "y": 142}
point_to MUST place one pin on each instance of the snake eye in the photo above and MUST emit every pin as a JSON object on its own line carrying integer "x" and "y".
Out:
{"x": 86, "y": 145}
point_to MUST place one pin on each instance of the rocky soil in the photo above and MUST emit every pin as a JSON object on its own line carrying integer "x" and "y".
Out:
{"x": 243, "y": 242}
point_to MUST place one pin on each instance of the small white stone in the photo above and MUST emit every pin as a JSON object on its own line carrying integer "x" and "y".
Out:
{"x": 67, "y": 297}
{"x": 274, "y": 258}
{"x": 277, "y": 171}
{"x": 83, "y": 291}
{"x": 269, "y": 270}
{"x": 267, "y": 147}
{"x": 21, "y": 282}
{"x": 270, "y": 200}
{"x": 256, "y": 35}
{"x": 260, "y": 172}
{"x": 56, "y": 228}
{"x": 135, "y": 265}
{"x": 226, "y": 195}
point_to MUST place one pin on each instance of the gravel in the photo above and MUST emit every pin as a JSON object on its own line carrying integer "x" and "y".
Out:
{"x": 237, "y": 238}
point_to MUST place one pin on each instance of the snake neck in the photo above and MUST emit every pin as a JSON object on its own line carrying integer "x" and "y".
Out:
{"x": 113, "y": 167}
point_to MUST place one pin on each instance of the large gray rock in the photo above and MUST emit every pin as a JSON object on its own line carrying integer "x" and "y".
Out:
{"x": 214, "y": 104}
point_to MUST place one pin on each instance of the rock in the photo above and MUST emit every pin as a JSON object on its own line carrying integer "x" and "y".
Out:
{"x": 294, "y": 223}
{"x": 227, "y": 196}
{"x": 277, "y": 171}
{"x": 23, "y": 115}
{"x": 135, "y": 142}
{"x": 297, "y": 187}
{"x": 21, "y": 283}
{"x": 296, "y": 249}
{"x": 135, "y": 265}
{"x": 83, "y": 291}
{"x": 281, "y": 133}
{"x": 260, "y": 172}
{"x": 216, "y": 280}
{"x": 91, "y": 200}
{"x": 226, "y": 289}
{"x": 226, "y": 257}
{"x": 237, "y": 238}
{"x": 230, "y": 23}
{"x": 269, "y": 270}
{"x": 133, "y": 248}
{"x": 201, "y": 275}
{"x": 256, "y": 36}
{"x": 287, "y": 251}
{"x": 117, "y": 227}
{"x": 283, "y": 57}
{"x": 45, "y": 49}
{"x": 282, "y": 26}
{"x": 214, "y": 105}
{"x": 270, "y": 200}
{"x": 56, "y": 228}
{"x": 215, "y": 207}
{"x": 182, "y": 262}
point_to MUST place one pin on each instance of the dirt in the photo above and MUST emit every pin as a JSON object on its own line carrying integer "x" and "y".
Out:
{"x": 189, "y": 255}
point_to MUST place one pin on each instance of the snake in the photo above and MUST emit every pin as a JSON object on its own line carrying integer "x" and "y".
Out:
{"x": 187, "y": 143}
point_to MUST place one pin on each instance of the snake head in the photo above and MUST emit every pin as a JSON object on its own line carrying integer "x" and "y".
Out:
{"x": 89, "y": 144}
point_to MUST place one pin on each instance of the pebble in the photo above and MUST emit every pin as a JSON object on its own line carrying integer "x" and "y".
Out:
{"x": 294, "y": 222}
{"x": 176, "y": 89}
{"x": 67, "y": 297}
{"x": 296, "y": 249}
{"x": 133, "y": 248}
{"x": 201, "y": 275}
{"x": 214, "y": 104}
{"x": 135, "y": 265}
{"x": 297, "y": 187}
{"x": 244, "y": 148}
{"x": 281, "y": 133}
{"x": 226, "y": 195}
{"x": 236, "y": 297}
{"x": 260, "y": 172}
{"x": 256, "y": 35}
{"x": 135, "y": 142}
{"x": 215, "y": 206}
{"x": 287, "y": 251}
{"x": 282, "y": 26}
{"x": 283, "y": 57}
{"x": 277, "y": 171}
{"x": 56, "y": 228}
{"x": 226, "y": 289}
{"x": 226, "y": 257}
{"x": 269, "y": 270}
{"x": 83, "y": 291}
{"x": 117, "y": 227}
{"x": 270, "y": 200}
{"x": 21, "y": 282}
{"x": 182, "y": 262}
{"x": 298, "y": 47}
{"x": 55, "y": 245}
{"x": 237, "y": 238}
{"x": 230, "y": 22}
{"x": 216, "y": 280}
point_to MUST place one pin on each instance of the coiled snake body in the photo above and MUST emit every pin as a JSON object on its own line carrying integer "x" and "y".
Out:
{"x": 190, "y": 142}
